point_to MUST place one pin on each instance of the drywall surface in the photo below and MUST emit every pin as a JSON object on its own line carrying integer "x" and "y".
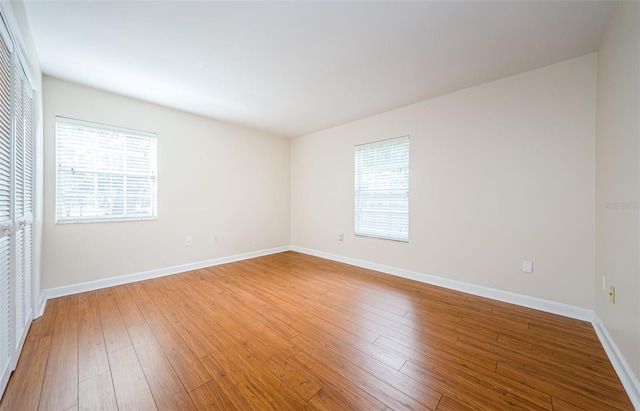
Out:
{"x": 499, "y": 173}
{"x": 618, "y": 181}
{"x": 225, "y": 186}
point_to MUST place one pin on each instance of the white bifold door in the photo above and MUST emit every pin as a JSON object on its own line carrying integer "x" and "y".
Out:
{"x": 16, "y": 206}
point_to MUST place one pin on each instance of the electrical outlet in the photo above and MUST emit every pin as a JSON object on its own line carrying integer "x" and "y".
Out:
{"x": 527, "y": 266}
{"x": 188, "y": 240}
{"x": 340, "y": 236}
{"x": 612, "y": 294}
{"x": 215, "y": 238}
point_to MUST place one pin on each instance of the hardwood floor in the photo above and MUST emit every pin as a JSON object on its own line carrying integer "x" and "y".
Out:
{"x": 294, "y": 332}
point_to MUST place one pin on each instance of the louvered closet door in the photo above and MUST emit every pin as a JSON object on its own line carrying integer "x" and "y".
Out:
{"x": 16, "y": 206}
{"x": 23, "y": 220}
{"x": 27, "y": 224}
{"x": 7, "y": 339}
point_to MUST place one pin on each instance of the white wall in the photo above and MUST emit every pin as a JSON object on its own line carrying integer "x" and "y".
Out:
{"x": 213, "y": 179}
{"x": 499, "y": 173}
{"x": 618, "y": 180}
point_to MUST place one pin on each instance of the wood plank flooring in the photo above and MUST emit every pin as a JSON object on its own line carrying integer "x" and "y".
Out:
{"x": 294, "y": 332}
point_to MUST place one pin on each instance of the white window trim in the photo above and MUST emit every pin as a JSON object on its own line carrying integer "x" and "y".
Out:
{"x": 358, "y": 230}
{"x": 93, "y": 219}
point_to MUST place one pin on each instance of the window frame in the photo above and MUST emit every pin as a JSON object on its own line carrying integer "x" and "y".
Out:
{"x": 153, "y": 215}
{"x": 359, "y": 229}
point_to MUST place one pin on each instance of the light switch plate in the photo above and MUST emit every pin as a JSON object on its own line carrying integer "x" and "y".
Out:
{"x": 527, "y": 266}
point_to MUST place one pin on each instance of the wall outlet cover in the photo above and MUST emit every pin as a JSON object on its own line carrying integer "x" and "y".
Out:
{"x": 612, "y": 294}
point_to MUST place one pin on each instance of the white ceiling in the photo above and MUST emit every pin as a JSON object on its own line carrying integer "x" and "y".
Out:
{"x": 291, "y": 68}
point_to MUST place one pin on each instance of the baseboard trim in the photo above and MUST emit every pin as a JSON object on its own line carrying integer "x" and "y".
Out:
{"x": 494, "y": 294}
{"x": 145, "y": 275}
{"x": 620, "y": 364}
{"x": 491, "y": 293}
{"x": 41, "y": 305}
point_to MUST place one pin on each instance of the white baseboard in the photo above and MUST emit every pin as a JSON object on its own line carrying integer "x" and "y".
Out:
{"x": 620, "y": 364}
{"x": 41, "y": 304}
{"x": 499, "y": 295}
{"x": 145, "y": 275}
{"x": 505, "y": 296}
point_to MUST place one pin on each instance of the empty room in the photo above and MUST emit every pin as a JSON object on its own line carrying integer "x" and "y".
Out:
{"x": 319, "y": 205}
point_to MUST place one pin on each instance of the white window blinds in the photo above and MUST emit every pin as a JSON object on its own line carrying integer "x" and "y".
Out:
{"x": 382, "y": 189}
{"x": 104, "y": 173}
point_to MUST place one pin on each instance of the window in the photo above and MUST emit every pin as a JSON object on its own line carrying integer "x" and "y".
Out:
{"x": 104, "y": 173}
{"x": 382, "y": 189}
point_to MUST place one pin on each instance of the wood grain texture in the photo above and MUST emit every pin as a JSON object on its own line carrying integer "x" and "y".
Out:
{"x": 92, "y": 353}
{"x": 25, "y": 385}
{"x": 294, "y": 332}
{"x": 60, "y": 385}
{"x": 168, "y": 392}
{"x": 97, "y": 394}
{"x": 131, "y": 388}
{"x": 113, "y": 328}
